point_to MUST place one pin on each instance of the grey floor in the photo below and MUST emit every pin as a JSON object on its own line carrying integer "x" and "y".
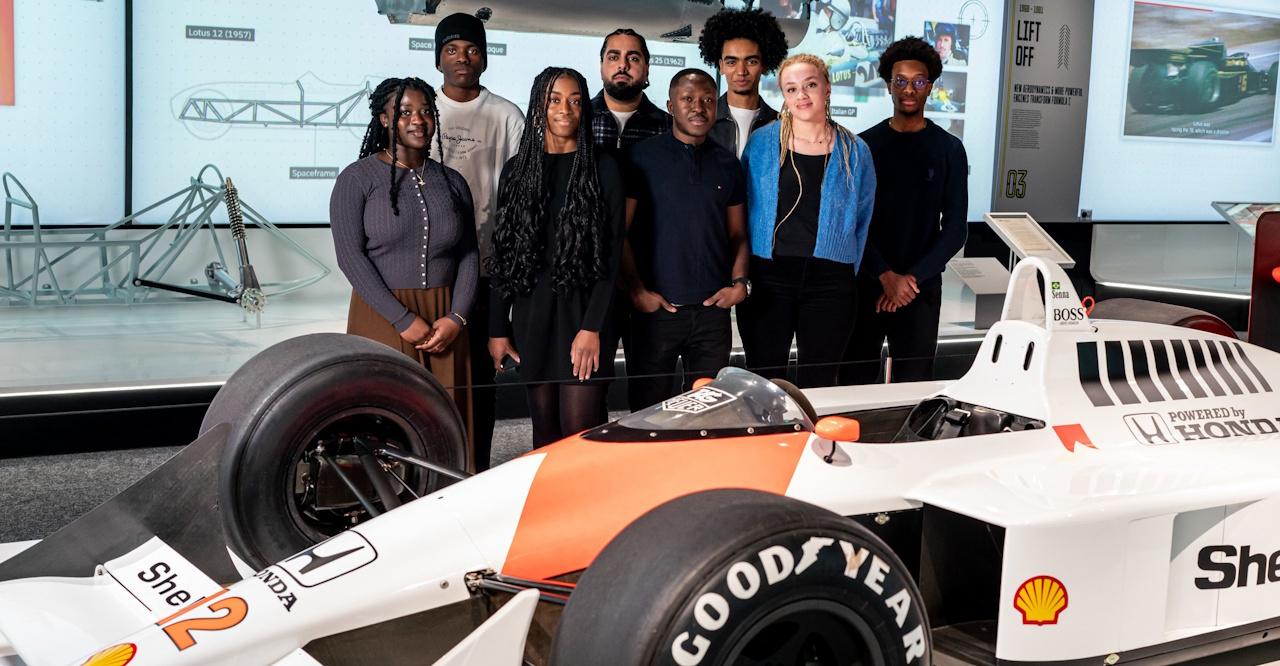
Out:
{"x": 41, "y": 494}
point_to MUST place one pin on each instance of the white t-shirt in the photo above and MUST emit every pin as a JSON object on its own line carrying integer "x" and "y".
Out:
{"x": 479, "y": 137}
{"x": 743, "y": 119}
{"x": 622, "y": 117}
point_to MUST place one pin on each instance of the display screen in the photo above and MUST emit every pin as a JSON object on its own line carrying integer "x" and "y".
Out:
{"x": 1182, "y": 110}
{"x": 850, "y": 35}
{"x": 62, "y": 108}
{"x": 276, "y": 94}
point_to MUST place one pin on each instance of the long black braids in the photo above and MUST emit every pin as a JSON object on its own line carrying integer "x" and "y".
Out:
{"x": 582, "y": 231}
{"x": 375, "y": 135}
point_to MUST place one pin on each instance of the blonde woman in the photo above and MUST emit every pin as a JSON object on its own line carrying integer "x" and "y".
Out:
{"x": 810, "y": 188}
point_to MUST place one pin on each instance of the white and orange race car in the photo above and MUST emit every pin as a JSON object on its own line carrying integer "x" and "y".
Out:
{"x": 1090, "y": 492}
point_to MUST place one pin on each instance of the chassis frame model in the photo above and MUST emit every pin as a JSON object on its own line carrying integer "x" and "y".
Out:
{"x": 36, "y": 259}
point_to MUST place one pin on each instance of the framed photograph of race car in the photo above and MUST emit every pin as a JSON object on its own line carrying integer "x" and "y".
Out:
{"x": 1201, "y": 73}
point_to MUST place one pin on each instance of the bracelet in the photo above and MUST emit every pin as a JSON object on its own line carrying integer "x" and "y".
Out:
{"x": 457, "y": 317}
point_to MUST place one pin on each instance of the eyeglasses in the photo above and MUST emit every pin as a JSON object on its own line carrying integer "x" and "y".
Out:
{"x": 918, "y": 83}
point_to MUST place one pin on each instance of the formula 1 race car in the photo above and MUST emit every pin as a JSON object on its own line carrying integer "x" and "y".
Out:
{"x": 1199, "y": 78}
{"x": 1089, "y": 492}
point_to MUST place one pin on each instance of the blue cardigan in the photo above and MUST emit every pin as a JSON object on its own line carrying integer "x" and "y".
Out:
{"x": 843, "y": 215}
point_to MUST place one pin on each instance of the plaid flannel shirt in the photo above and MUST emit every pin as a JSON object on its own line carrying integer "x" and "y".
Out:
{"x": 648, "y": 121}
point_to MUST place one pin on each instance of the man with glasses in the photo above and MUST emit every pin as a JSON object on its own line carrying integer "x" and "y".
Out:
{"x": 744, "y": 45}
{"x": 919, "y": 223}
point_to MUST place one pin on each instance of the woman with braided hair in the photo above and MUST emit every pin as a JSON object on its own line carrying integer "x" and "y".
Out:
{"x": 557, "y": 243}
{"x": 403, "y": 230}
{"x": 810, "y": 188}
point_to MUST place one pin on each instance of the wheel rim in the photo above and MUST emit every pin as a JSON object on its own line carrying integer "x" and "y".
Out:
{"x": 809, "y": 632}
{"x": 338, "y": 433}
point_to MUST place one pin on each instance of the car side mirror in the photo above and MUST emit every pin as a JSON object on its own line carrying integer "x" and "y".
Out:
{"x": 839, "y": 429}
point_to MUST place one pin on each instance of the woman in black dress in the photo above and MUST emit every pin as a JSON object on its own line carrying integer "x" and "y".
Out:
{"x": 557, "y": 242}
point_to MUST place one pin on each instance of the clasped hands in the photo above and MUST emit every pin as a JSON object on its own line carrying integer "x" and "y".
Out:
{"x": 432, "y": 338}
{"x": 899, "y": 290}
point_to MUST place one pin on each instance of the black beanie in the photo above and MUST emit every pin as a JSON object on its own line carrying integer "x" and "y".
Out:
{"x": 460, "y": 26}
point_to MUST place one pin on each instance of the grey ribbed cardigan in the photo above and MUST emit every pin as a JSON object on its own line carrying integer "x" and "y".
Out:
{"x": 432, "y": 243}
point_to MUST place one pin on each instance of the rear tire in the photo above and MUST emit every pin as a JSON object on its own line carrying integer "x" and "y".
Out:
{"x": 1202, "y": 90}
{"x": 743, "y": 577}
{"x": 294, "y": 394}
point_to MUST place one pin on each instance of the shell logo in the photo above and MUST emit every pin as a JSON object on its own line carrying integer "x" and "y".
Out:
{"x": 116, "y": 655}
{"x": 1041, "y": 600}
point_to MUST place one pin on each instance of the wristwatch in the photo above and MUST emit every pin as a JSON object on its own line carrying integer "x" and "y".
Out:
{"x": 745, "y": 281}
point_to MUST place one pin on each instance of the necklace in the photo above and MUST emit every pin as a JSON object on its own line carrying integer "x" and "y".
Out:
{"x": 419, "y": 175}
{"x": 822, "y": 137}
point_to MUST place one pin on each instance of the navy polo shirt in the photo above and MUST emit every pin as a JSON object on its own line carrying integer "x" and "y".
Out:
{"x": 683, "y": 194}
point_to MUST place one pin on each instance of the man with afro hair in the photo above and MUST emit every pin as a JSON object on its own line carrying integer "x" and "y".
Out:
{"x": 918, "y": 224}
{"x": 744, "y": 45}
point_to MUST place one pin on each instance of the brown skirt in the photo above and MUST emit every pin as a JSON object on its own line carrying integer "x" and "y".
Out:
{"x": 452, "y": 368}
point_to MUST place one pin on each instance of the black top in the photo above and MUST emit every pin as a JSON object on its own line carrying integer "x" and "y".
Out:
{"x": 797, "y": 233}
{"x": 679, "y": 236}
{"x": 544, "y": 322}
{"x": 922, "y": 201}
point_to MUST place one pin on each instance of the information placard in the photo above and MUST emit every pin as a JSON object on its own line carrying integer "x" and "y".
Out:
{"x": 1026, "y": 238}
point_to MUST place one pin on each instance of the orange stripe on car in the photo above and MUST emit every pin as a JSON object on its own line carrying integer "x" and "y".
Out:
{"x": 586, "y": 491}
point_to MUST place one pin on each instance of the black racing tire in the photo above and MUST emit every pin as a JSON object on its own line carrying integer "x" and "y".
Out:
{"x": 1202, "y": 89}
{"x": 743, "y": 577}
{"x": 280, "y": 401}
{"x": 1138, "y": 95}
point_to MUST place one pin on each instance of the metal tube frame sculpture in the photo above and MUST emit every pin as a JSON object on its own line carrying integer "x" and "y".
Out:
{"x": 133, "y": 270}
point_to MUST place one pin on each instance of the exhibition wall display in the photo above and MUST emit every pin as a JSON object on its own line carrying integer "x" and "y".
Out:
{"x": 278, "y": 97}
{"x": 1183, "y": 110}
{"x": 62, "y": 106}
{"x": 851, "y": 34}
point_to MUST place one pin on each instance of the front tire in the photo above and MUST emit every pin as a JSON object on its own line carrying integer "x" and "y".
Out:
{"x": 316, "y": 391}
{"x": 743, "y": 577}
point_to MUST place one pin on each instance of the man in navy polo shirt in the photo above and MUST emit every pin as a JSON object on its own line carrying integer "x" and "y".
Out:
{"x": 686, "y": 258}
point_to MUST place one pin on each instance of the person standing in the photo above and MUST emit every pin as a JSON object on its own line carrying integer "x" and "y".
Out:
{"x": 557, "y": 244}
{"x": 920, "y": 223}
{"x": 480, "y": 132}
{"x": 744, "y": 45}
{"x": 810, "y": 189}
{"x": 404, "y": 238}
{"x": 622, "y": 114}
{"x": 686, "y": 265}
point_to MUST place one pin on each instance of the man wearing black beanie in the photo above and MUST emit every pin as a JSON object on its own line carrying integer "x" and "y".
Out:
{"x": 480, "y": 132}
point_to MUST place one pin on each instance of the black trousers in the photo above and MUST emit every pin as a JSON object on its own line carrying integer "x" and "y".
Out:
{"x": 809, "y": 299}
{"x": 912, "y": 333}
{"x": 483, "y": 393}
{"x": 698, "y": 334}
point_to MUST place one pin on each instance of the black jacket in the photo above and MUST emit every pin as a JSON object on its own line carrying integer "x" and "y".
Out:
{"x": 725, "y": 131}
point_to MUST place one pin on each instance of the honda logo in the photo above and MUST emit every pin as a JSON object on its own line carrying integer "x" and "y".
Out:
{"x": 1150, "y": 428}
